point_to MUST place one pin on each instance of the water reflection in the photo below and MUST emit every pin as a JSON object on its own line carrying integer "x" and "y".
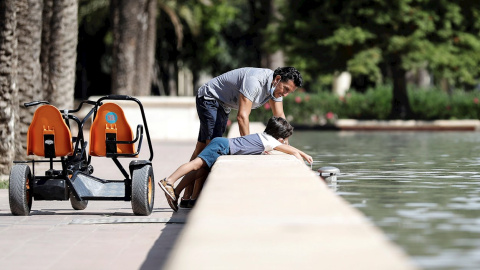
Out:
{"x": 421, "y": 188}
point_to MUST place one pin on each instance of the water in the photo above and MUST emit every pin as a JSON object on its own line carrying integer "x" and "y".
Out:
{"x": 421, "y": 188}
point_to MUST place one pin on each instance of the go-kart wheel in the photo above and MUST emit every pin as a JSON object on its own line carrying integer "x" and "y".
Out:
{"x": 143, "y": 191}
{"x": 20, "y": 190}
{"x": 76, "y": 204}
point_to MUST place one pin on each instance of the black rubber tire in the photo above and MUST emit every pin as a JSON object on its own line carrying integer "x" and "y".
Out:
{"x": 143, "y": 190}
{"x": 20, "y": 193}
{"x": 76, "y": 204}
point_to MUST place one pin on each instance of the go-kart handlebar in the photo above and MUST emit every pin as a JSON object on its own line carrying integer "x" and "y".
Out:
{"x": 35, "y": 103}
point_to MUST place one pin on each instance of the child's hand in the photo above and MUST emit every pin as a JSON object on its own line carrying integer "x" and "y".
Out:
{"x": 309, "y": 159}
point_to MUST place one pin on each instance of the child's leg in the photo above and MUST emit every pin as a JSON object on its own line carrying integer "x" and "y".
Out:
{"x": 193, "y": 165}
{"x": 195, "y": 176}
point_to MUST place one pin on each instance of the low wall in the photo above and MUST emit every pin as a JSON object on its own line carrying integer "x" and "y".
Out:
{"x": 408, "y": 125}
{"x": 168, "y": 118}
{"x": 273, "y": 212}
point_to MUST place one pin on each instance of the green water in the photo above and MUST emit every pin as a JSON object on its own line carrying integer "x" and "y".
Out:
{"x": 421, "y": 188}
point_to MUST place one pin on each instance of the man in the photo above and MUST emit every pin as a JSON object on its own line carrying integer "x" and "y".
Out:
{"x": 241, "y": 89}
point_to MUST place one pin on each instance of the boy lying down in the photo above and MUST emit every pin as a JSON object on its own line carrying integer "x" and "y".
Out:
{"x": 276, "y": 133}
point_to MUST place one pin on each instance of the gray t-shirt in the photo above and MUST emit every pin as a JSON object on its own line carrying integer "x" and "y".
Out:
{"x": 253, "y": 83}
{"x": 253, "y": 144}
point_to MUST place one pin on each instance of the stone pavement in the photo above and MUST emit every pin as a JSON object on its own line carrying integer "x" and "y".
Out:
{"x": 106, "y": 235}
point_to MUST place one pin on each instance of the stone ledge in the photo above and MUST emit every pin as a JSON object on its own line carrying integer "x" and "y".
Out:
{"x": 273, "y": 212}
{"x": 409, "y": 125}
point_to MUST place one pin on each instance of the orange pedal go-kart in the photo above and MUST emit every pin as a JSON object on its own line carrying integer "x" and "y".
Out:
{"x": 49, "y": 136}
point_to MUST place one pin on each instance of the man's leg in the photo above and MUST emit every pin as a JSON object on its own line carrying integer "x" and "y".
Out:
{"x": 188, "y": 178}
{"x": 218, "y": 130}
{"x": 213, "y": 122}
{"x": 199, "y": 175}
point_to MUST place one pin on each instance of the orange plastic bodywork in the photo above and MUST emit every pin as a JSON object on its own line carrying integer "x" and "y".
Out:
{"x": 48, "y": 120}
{"x": 110, "y": 119}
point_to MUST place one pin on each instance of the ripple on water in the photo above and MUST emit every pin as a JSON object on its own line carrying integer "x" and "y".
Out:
{"x": 424, "y": 214}
{"x": 464, "y": 206}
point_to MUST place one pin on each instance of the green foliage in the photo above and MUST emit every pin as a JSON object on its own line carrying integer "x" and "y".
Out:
{"x": 323, "y": 108}
{"x": 465, "y": 105}
{"x": 366, "y": 63}
{"x": 208, "y": 39}
{"x": 364, "y": 37}
{"x": 430, "y": 104}
{"x": 3, "y": 184}
{"x": 92, "y": 14}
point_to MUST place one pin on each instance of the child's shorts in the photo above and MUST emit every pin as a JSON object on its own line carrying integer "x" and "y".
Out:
{"x": 217, "y": 147}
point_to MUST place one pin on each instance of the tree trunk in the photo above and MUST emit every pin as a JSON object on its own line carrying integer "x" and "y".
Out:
{"x": 29, "y": 28}
{"x": 59, "y": 51}
{"x": 275, "y": 60}
{"x": 125, "y": 28}
{"x": 8, "y": 88}
{"x": 272, "y": 59}
{"x": 400, "y": 103}
{"x": 172, "y": 78}
{"x": 261, "y": 15}
{"x": 145, "y": 51}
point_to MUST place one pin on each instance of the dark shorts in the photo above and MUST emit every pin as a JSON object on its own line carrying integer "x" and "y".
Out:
{"x": 216, "y": 148}
{"x": 213, "y": 119}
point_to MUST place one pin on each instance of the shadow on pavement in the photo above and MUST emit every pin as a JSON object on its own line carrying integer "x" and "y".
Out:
{"x": 161, "y": 249}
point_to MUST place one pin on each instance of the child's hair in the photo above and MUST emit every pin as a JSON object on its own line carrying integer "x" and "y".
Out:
{"x": 278, "y": 127}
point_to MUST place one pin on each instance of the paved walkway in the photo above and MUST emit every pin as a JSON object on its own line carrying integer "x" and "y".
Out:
{"x": 106, "y": 235}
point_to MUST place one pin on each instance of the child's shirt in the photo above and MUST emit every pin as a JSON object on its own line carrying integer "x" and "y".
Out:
{"x": 253, "y": 144}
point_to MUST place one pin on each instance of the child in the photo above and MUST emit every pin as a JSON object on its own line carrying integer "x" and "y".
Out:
{"x": 274, "y": 137}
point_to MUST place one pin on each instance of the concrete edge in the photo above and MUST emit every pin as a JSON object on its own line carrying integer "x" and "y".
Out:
{"x": 413, "y": 125}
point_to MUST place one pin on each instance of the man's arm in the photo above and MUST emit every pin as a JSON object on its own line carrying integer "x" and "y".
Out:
{"x": 294, "y": 151}
{"x": 277, "y": 108}
{"x": 244, "y": 109}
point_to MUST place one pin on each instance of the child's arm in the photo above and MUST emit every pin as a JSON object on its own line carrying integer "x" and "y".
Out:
{"x": 294, "y": 151}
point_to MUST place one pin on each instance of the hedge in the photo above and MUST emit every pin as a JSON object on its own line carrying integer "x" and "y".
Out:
{"x": 302, "y": 108}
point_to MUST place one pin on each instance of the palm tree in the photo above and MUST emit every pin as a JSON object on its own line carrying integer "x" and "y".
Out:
{"x": 29, "y": 82}
{"x": 41, "y": 66}
{"x": 59, "y": 51}
{"x": 133, "y": 45}
{"x": 8, "y": 89}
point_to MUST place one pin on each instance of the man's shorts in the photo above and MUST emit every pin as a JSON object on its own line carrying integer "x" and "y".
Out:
{"x": 217, "y": 147}
{"x": 213, "y": 119}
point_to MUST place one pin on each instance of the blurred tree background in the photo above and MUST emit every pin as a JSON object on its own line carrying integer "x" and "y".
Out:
{"x": 398, "y": 59}
{"x": 194, "y": 38}
{"x": 425, "y": 43}
{"x": 378, "y": 41}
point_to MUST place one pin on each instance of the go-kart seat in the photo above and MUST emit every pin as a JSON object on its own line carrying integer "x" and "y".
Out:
{"x": 48, "y": 135}
{"x": 110, "y": 125}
